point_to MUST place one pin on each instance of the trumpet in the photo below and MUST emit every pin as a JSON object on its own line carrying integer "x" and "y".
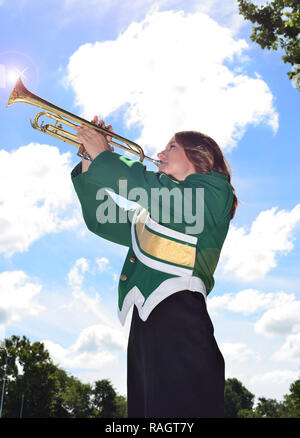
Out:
{"x": 63, "y": 117}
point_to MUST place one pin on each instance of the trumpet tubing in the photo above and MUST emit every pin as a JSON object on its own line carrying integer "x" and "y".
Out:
{"x": 63, "y": 117}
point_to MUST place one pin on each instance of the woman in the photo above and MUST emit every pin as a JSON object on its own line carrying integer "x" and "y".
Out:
{"x": 174, "y": 368}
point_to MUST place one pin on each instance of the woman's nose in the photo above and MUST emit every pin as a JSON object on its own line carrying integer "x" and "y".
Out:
{"x": 161, "y": 155}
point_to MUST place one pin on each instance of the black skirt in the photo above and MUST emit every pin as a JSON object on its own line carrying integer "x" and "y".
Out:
{"x": 174, "y": 366}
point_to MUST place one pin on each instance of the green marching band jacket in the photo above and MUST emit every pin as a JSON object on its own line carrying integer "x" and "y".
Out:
{"x": 166, "y": 252}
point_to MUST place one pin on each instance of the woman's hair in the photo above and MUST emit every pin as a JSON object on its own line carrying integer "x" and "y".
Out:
{"x": 206, "y": 155}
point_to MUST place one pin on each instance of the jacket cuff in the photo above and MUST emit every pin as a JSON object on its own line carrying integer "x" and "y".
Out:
{"x": 104, "y": 169}
{"x": 100, "y": 160}
{"x": 77, "y": 170}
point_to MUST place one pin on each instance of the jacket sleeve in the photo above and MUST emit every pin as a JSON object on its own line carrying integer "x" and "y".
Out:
{"x": 147, "y": 188}
{"x": 108, "y": 168}
{"x": 115, "y": 224}
{"x": 174, "y": 203}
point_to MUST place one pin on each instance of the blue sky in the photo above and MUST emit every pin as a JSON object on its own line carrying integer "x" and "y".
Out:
{"x": 150, "y": 69}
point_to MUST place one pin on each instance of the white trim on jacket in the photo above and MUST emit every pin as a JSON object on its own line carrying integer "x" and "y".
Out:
{"x": 164, "y": 290}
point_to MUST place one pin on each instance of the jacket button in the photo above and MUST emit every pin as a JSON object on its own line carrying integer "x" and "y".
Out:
{"x": 123, "y": 277}
{"x": 132, "y": 259}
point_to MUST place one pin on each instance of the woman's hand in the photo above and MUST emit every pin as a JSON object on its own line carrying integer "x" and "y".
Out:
{"x": 93, "y": 141}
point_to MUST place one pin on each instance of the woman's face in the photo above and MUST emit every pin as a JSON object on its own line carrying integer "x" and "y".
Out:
{"x": 174, "y": 162}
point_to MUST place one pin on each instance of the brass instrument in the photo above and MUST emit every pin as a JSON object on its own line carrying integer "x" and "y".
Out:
{"x": 21, "y": 94}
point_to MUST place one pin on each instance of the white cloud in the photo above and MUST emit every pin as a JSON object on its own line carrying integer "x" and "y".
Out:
{"x": 281, "y": 310}
{"x": 91, "y": 308}
{"x": 84, "y": 304}
{"x": 281, "y": 316}
{"x": 290, "y": 351}
{"x": 275, "y": 377}
{"x": 281, "y": 320}
{"x": 35, "y": 194}
{"x": 250, "y": 301}
{"x": 103, "y": 264}
{"x": 225, "y": 12}
{"x": 271, "y": 384}
{"x": 95, "y": 346}
{"x": 98, "y": 338}
{"x": 167, "y": 73}
{"x": 76, "y": 273}
{"x": 236, "y": 352}
{"x": 251, "y": 255}
{"x": 17, "y": 296}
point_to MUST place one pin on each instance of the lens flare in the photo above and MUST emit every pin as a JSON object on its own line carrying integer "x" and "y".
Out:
{"x": 13, "y": 75}
{"x": 14, "y": 64}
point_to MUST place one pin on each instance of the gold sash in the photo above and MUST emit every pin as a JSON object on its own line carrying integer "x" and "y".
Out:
{"x": 163, "y": 248}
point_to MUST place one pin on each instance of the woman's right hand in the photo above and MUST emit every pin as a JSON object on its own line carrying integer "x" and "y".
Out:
{"x": 101, "y": 124}
{"x": 85, "y": 163}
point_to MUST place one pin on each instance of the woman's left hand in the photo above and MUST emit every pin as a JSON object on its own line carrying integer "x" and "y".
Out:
{"x": 93, "y": 141}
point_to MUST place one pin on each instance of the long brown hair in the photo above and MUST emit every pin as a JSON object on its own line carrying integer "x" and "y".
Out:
{"x": 206, "y": 155}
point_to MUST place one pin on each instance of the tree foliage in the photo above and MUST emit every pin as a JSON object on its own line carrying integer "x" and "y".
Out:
{"x": 31, "y": 378}
{"x": 277, "y": 24}
{"x": 292, "y": 400}
{"x": 37, "y": 388}
{"x": 237, "y": 398}
{"x": 239, "y": 402}
{"x": 105, "y": 399}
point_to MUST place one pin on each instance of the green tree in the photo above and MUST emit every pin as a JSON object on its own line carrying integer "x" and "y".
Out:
{"x": 77, "y": 398}
{"x": 248, "y": 413}
{"x": 121, "y": 407}
{"x": 36, "y": 384}
{"x": 236, "y": 398}
{"x": 105, "y": 399}
{"x": 32, "y": 379}
{"x": 292, "y": 400}
{"x": 277, "y": 25}
{"x": 269, "y": 408}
